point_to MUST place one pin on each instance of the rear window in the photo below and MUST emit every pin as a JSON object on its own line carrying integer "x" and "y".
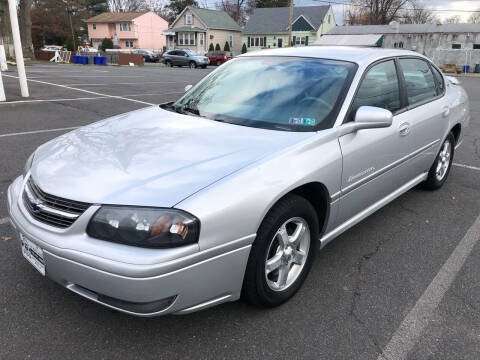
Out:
{"x": 419, "y": 80}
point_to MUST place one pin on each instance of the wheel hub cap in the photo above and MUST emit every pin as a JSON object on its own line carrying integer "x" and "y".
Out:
{"x": 443, "y": 160}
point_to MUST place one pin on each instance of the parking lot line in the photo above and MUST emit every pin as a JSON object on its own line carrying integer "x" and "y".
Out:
{"x": 4, "y": 220}
{"x": 411, "y": 328}
{"x": 39, "y": 131}
{"x": 83, "y": 90}
{"x": 467, "y": 166}
{"x": 83, "y": 98}
{"x": 129, "y": 83}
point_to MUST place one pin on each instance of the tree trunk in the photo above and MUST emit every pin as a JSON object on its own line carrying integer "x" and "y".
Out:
{"x": 5, "y": 30}
{"x": 26, "y": 27}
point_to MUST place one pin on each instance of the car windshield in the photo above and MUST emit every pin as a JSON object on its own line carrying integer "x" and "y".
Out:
{"x": 283, "y": 93}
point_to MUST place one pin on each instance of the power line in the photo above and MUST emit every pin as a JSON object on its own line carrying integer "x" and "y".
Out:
{"x": 402, "y": 8}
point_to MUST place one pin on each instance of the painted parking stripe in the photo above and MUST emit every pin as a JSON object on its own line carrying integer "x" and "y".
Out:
{"x": 84, "y": 98}
{"x": 128, "y": 83}
{"x": 4, "y": 220}
{"x": 411, "y": 328}
{"x": 467, "y": 166}
{"x": 85, "y": 91}
{"x": 38, "y": 131}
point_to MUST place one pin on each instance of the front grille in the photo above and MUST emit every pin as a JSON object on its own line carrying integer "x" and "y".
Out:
{"x": 51, "y": 209}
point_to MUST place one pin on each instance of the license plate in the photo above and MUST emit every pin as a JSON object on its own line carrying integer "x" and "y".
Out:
{"x": 33, "y": 253}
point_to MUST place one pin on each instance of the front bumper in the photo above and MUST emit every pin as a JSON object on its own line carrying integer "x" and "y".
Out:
{"x": 142, "y": 282}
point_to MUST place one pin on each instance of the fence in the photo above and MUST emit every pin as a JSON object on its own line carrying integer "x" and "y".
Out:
{"x": 112, "y": 58}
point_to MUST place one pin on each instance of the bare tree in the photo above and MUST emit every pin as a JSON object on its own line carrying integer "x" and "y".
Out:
{"x": 126, "y": 5}
{"x": 475, "y": 17}
{"x": 237, "y": 9}
{"x": 375, "y": 12}
{"x": 416, "y": 14}
{"x": 456, "y": 19}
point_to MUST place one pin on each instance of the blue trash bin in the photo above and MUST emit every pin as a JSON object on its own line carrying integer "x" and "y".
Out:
{"x": 103, "y": 60}
{"x": 75, "y": 59}
{"x": 96, "y": 60}
{"x": 83, "y": 60}
{"x": 466, "y": 69}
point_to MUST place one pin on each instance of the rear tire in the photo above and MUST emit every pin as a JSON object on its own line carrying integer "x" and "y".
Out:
{"x": 219, "y": 62}
{"x": 440, "y": 169}
{"x": 278, "y": 264}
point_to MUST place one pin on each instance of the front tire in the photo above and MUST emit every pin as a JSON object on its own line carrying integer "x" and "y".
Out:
{"x": 441, "y": 167}
{"x": 282, "y": 253}
{"x": 193, "y": 65}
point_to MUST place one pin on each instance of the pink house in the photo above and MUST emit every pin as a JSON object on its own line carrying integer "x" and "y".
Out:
{"x": 142, "y": 30}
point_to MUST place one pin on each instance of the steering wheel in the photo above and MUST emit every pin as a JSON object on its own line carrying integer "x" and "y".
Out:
{"x": 316, "y": 99}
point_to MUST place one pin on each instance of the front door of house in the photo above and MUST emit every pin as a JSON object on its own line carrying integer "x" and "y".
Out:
{"x": 280, "y": 42}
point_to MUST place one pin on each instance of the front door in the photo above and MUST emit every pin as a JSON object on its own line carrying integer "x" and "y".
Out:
{"x": 280, "y": 40}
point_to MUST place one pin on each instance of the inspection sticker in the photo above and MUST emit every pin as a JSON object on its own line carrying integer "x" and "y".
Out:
{"x": 307, "y": 121}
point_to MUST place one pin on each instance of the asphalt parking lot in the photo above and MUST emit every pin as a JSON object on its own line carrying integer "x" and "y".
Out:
{"x": 386, "y": 284}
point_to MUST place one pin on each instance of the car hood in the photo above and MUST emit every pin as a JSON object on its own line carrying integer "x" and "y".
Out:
{"x": 150, "y": 157}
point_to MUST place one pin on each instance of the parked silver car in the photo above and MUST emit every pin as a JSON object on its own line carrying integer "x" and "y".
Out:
{"x": 179, "y": 57}
{"x": 230, "y": 190}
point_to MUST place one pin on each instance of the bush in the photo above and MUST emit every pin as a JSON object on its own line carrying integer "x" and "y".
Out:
{"x": 211, "y": 48}
{"x": 226, "y": 47}
{"x": 244, "y": 48}
{"x": 217, "y": 47}
{"x": 107, "y": 44}
{"x": 69, "y": 44}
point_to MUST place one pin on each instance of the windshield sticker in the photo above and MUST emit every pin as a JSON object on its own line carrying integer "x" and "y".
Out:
{"x": 302, "y": 121}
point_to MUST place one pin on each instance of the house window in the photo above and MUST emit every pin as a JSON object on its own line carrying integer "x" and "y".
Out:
{"x": 258, "y": 41}
{"x": 398, "y": 45}
{"x": 201, "y": 41}
{"x": 129, "y": 43}
{"x": 94, "y": 26}
{"x": 300, "y": 40}
{"x": 230, "y": 41}
{"x": 124, "y": 26}
{"x": 456, "y": 46}
{"x": 186, "y": 38}
{"x": 476, "y": 46}
{"x": 188, "y": 19}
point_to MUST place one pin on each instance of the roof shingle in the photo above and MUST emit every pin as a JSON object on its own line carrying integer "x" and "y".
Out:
{"x": 216, "y": 19}
{"x": 116, "y": 17}
{"x": 276, "y": 20}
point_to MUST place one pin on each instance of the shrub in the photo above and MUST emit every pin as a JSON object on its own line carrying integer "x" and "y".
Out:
{"x": 211, "y": 48}
{"x": 217, "y": 47}
{"x": 244, "y": 48}
{"x": 226, "y": 47}
{"x": 107, "y": 44}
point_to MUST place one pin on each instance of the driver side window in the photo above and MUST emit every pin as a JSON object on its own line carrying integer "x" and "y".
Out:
{"x": 379, "y": 88}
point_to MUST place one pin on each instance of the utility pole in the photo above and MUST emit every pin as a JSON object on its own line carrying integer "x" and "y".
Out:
{"x": 17, "y": 43}
{"x": 70, "y": 11}
{"x": 290, "y": 24}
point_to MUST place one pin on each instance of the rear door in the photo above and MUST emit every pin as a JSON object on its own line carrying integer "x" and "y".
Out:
{"x": 427, "y": 115}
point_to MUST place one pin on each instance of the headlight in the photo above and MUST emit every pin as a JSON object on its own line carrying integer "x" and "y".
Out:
{"x": 28, "y": 164}
{"x": 144, "y": 227}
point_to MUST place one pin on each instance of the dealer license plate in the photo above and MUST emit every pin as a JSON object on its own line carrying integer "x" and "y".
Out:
{"x": 33, "y": 253}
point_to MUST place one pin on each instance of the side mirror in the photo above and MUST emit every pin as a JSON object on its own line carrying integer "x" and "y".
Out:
{"x": 368, "y": 117}
{"x": 188, "y": 87}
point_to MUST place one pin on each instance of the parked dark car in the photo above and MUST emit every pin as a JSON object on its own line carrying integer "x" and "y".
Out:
{"x": 148, "y": 56}
{"x": 218, "y": 57}
{"x": 185, "y": 58}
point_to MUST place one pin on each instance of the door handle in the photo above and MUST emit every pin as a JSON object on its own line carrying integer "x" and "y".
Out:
{"x": 404, "y": 129}
{"x": 446, "y": 111}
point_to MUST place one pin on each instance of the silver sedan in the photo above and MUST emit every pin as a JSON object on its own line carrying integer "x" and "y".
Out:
{"x": 229, "y": 191}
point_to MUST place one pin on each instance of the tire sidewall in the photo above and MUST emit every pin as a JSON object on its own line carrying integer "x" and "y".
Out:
{"x": 432, "y": 178}
{"x": 298, "y": 208}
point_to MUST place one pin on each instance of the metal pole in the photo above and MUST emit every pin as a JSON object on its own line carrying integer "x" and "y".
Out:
{"x": 290, "y": 24}
{"x": 2, "y": 90}
{"x": 71, "y": 27}
{"x": 17, "y": 43}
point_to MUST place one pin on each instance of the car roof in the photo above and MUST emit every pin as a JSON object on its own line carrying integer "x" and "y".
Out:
{"x": 360, "y": 55}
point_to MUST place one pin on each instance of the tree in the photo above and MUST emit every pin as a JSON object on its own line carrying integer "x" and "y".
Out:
{"x": 226, "y": 47}
{"x": 25, "y": 24}
{"x": 375, "y": 12}
{"x": 217, "y": 47}
{"x": 177, "y": 6}
{"x": 107, "y": 44}
{"x": 456, "y": 19}
{"x": 475, "y": 17}
{"x": 271, "y": 3}
{"x": 418, "y": 15}
{"x": 125, "y": 5}
{"x": 244, "y": 48}
{"x": 237, "y": 9}
{"x": 211, "y": 48}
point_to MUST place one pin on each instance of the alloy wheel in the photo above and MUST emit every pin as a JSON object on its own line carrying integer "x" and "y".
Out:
{"x": 444, "y": 158}
{"x": 287, "y": 254}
